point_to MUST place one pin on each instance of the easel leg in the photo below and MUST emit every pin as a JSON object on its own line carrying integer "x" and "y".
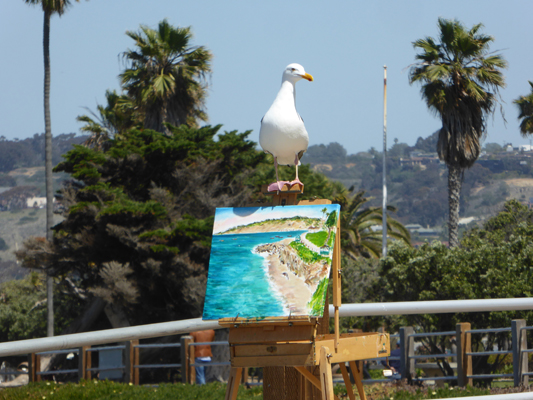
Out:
{"x": 326, "y": 379}
{"x": 357, "y": 373}
{"x": 347, "y": 382}
{"x": 233, "y": 384}
{"x": 311, "y": 378}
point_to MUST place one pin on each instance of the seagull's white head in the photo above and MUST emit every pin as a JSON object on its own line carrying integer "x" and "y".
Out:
{"x": 295, "y": 72}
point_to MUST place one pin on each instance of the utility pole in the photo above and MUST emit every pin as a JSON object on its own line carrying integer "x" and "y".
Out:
{"x": 384, "y": 210}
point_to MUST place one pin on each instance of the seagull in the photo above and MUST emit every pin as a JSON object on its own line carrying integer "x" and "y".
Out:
{"x": 283, "y": 133}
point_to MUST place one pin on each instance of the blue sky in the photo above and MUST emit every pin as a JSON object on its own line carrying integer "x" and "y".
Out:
{"x": 343, "y": 44}
{"x": 227, "y": 218}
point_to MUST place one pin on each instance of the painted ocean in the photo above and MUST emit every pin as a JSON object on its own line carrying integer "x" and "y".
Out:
{"x": 238, "y": 284}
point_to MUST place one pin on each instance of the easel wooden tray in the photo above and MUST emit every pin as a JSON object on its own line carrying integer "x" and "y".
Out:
{"x": 299, "y": 345}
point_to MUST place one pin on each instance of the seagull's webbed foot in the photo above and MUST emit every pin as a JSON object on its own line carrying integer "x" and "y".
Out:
{"x": 277, "y": 186}
{"x": 296, "y": 182}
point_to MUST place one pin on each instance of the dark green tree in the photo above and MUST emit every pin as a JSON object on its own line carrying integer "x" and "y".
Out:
{"x": 460, "y": 81}
{"x": 23, "y": 308}
{"x": 479, "y": 268}
{"x": 139, "y": 216}
{"x": 525, "y": 112}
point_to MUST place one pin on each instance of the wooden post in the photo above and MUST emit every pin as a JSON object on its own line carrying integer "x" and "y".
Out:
{"x": 464, "y": 361}
{"x": 36, "y": 364}
{"x": 136, "y": 362}
{"x": 407, "y": 347}
{"x": 185, "y": 358}
{"x": 336, "y": 275}
{"x": 129, "y": 360}
{"x": 31, "y": 367}
{"x": 326, "y": 380}
{"x": 519, "y": 357}
{"x": 82, "y": 362}
{"x": 88, "y": 363}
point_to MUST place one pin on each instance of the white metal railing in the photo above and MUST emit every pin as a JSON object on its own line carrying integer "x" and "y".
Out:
{"x": 185, "y": 326}
{"x": 180, "y": 327}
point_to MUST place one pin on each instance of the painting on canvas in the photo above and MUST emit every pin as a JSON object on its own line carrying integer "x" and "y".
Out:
{"x": 270, "y": 261}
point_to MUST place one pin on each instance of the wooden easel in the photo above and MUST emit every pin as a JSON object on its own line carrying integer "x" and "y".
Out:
{"x": 295, "y": 342}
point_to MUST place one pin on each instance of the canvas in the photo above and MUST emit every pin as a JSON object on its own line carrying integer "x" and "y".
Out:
{"x": 270, "y": 261}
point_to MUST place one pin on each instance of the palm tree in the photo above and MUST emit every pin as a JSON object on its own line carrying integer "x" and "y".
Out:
{"x": 111, "y": 121}
{"x": 49, "y": 7}
{"x": 361, "y": 233}
{"x": 460, "y": 81}
{"x": 167, "y": 77}
{"x": 525, "y": 108}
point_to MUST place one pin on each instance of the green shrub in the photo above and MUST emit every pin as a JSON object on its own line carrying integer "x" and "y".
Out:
{"x": 97, "y": 390}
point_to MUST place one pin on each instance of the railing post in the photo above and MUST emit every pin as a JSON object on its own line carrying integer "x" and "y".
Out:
{"x": 82, "y": 362}
{"x": 192, "y": 360}
{"x": 128, "y": 360}
{"x": 31, "y": 367}
{"x": 519, "y": 357}
{"x": 407, "y": 347}
{"x": 136, "y": 361}
{"x": 464, "y": 361}
{"x": 88, "y": 363}
{"x": 35, "y": 367}
{"x": 185, "y": 358}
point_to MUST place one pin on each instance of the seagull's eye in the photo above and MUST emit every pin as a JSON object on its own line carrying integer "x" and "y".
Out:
{"x": 293, "y": 69}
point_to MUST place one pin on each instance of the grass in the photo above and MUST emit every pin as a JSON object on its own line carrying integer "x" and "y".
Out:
{"x": 106, "y": 390}
{"x": 100, "y": 390}
{"x": 317, "y": 238}
{"x": 307, "y": 255}
{"x": 316, "y": 304}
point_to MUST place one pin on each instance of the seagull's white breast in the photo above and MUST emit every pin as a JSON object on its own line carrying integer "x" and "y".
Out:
{"x": 283, "y": 132}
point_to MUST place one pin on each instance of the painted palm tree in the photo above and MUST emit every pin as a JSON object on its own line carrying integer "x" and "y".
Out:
{"x": 167, "y": 77}
{"x": 460, "y": 81}
{"x": 361, "y": 228}
{"x": 50, "y": 7}
{"x": 525, "y": 110}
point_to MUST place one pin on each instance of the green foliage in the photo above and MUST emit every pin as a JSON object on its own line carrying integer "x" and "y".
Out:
{"x": 481, "y": 267}
{"x": 525, "y": 112}
{"x": 359, "y": 236}
{"x": 317, "y": 302}
{"x": 317, "y": 238}
{"x": 141, "y": 210}
{"x": 166, "y": 76}
{"x": 95, "y": 390}
{"x": 23, "y": 308}
{"x": 307, "y": 255}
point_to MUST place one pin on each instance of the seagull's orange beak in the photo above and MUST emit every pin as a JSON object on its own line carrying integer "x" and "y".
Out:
{"x": 307, "y": 76}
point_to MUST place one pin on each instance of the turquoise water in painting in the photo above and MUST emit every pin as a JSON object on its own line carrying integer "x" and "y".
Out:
{"x": 237, "y": 282}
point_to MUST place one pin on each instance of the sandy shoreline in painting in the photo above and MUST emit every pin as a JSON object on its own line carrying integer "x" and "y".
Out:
{"x": 292, "y": 288}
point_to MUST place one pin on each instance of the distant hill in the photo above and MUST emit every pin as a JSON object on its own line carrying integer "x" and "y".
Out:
{"x": 417, "y": 179}
{"x": 29, "y": 152}
{"x": 22, "y": 177}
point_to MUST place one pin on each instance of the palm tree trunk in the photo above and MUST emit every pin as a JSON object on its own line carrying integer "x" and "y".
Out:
{"x": 48, "y": 165}
{"x": 454, "y": 193}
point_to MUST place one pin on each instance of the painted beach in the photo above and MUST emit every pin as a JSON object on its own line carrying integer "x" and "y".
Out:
{"x": 270, "y": 261}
